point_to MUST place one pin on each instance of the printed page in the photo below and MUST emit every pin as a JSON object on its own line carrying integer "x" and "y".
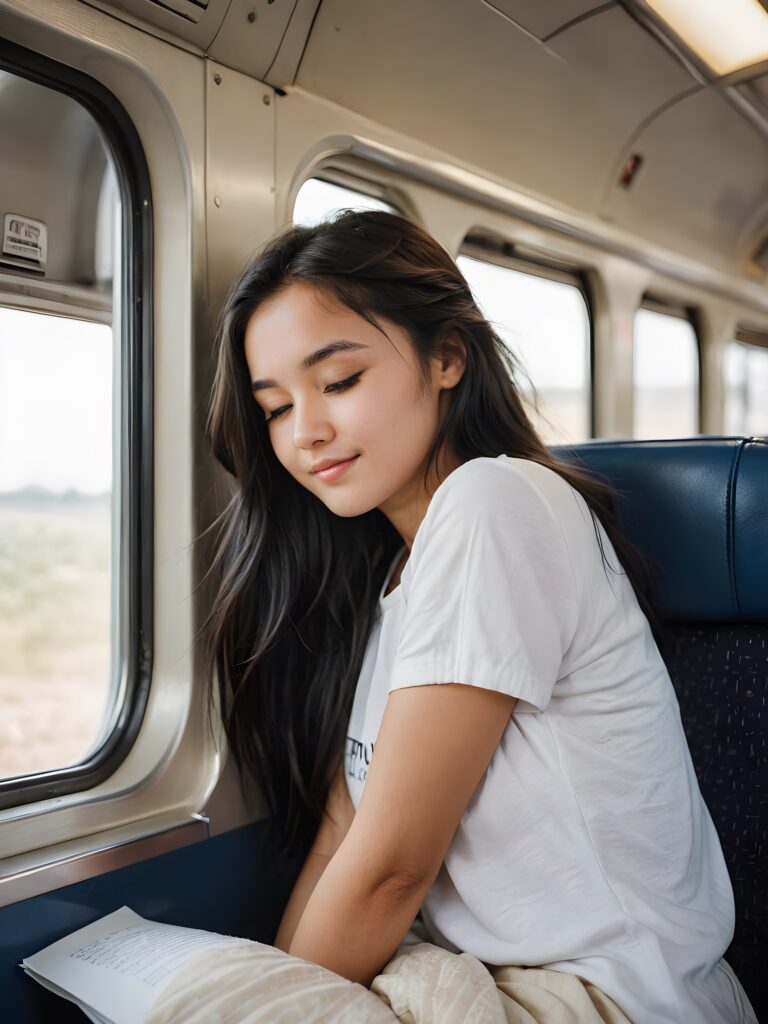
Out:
{"x": 118, "y": 965}
{"x": 89, "y": 1013}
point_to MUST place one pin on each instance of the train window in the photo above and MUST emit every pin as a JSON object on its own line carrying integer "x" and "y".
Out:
{"x": 544, "y": 321}
{"x": 75, "y": 533}
{"x": 318, "y": 199}
{"x": 746, "y": 388}
{"x": 666, "y": 374}
{"x": 55, "y": 545}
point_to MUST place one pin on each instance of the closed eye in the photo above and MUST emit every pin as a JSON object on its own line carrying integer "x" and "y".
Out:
{"x": 348, "y": 382}
{"x": 342, "y": 385}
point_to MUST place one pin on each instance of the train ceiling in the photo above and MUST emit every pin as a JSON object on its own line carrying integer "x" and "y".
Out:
{"x": 599, "y": 107}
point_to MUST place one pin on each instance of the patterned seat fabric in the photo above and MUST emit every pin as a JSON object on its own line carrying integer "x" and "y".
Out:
{"x": 720, "y": 673}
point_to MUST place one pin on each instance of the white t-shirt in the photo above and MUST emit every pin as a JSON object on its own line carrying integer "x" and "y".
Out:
{"x": 586, "y": 847}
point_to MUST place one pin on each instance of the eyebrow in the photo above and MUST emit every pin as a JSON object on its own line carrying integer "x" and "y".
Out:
{"x": 340, "y": 345}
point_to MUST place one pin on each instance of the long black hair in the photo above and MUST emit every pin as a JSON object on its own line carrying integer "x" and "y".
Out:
{"x": 296, "y": 585}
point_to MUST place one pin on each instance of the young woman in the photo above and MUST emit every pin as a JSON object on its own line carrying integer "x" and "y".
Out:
{"x": 397, "y": 523}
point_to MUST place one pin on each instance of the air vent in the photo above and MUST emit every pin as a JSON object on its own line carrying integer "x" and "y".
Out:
{"x": 192, "y": 10}
{"x": 197, "y": 21}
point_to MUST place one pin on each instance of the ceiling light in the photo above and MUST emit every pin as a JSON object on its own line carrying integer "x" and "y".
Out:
{"x": 726, "y": 35}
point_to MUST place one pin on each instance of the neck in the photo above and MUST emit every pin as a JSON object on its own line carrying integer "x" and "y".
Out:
{"x": 407, "y": 509}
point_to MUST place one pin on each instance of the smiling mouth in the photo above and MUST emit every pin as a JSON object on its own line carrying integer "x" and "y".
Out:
{"x": 335, "y": 471}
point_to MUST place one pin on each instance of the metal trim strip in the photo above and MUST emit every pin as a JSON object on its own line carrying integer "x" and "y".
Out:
{"x": 22, "y": 877}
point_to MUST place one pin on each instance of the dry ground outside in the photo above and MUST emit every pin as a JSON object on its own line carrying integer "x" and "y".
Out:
{"x": 54, "y": 630}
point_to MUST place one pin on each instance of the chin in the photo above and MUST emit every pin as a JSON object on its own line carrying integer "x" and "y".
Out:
{"x": 348, "y": 509}
{"x": 346, "y": 506}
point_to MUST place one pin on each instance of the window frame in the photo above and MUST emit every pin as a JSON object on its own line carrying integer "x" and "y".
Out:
{"x": 753, "y": 336}
{"x": 512, "y": 256}
{"x": 655, "y": 303}
{"x": 133, "y": 476}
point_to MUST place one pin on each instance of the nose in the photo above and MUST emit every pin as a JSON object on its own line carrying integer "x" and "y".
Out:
{"x": 310, "y": 424}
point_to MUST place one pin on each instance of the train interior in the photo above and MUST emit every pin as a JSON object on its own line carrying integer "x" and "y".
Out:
{"x": 601, "y": 177}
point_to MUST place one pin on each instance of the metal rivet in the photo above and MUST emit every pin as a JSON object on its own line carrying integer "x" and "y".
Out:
{"x": 217, "y": 78}
{"x": 146, "y": 202}
{"x": 266, "y": 100}
{"x": 217, "y": 200}
{"x": 252, "y": 16}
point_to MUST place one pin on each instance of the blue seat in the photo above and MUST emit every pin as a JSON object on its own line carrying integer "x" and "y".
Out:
{"x": 698, "y": 509}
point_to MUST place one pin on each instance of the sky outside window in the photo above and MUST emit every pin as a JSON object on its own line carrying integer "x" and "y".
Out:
{"x": 317, "y": 200}
{"x": 55, "y": 403}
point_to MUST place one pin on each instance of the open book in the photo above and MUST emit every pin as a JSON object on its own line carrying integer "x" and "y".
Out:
{"x": 116, "y": 968}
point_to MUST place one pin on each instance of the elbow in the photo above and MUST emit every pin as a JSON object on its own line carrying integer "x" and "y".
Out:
{"x": 403, "y": 885}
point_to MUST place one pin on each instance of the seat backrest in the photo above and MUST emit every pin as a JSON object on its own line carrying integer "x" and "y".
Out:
{"x": 698, "y": 509}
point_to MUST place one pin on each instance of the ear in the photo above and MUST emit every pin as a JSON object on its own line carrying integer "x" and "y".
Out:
{"x": 449, "y": 361}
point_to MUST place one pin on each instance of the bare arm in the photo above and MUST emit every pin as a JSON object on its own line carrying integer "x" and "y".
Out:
{"x": 360, "y": 910}
{"x": 338, "y": 816}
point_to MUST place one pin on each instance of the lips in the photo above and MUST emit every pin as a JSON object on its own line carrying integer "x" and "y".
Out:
{"x": 329, "y": 463}
{"x": 330, "y": 470}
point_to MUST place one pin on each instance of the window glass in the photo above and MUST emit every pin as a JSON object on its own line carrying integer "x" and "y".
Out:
{"x": 545, "y": 324}
{"x": 319, "y": 199}
{"x": 746, "y": 390}
{"x": 666, "y": 376}
{"x": 55, "y": 544}
{"x": 57, "y": 381}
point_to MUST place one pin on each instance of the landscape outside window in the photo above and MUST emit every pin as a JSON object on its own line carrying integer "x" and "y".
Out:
{"x": 746, "y": 389}
{"x": 55, "y": 538}
{"x": 666, "y": 374}
{"x": 545, "y": 324}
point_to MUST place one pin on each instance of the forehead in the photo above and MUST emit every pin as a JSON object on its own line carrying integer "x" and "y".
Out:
{"x": 299, "y": 318}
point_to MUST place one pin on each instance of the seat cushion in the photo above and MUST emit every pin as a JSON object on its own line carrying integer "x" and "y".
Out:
{"x": 719, "y": 673}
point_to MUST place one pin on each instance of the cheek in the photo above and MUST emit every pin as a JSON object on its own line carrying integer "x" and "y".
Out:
{"x": 393, "y": 405}
{"x": 281, "y": 440}
{"x": 369, "y": 414}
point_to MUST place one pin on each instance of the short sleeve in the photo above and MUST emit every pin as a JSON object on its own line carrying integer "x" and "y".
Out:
{"x": 489, "y": 591}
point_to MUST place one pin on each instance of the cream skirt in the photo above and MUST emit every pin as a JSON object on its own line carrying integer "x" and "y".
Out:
{"x": 252, "y": 983}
